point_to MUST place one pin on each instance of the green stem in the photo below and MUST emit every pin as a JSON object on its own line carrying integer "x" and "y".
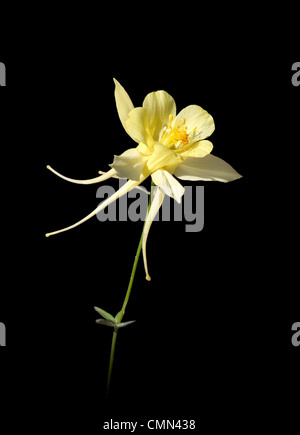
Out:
{"x": 136, "y": 259}
{"x": 111, "y": 361}
{"x": 122, "y": 312}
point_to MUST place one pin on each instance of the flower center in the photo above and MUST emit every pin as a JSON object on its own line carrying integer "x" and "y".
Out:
{"x": 175, "y": 136}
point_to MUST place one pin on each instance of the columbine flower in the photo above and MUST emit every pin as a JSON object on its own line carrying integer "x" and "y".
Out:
{"x": 168, "y": 145}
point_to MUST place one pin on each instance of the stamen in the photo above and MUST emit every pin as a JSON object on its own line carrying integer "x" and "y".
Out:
{"x": 176, "y": 135}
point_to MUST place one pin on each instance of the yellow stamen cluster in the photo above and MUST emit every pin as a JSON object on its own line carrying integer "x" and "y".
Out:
{"x": 177, "y": 135}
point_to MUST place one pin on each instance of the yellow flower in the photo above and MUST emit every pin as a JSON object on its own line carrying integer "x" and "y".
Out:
{"x": 168, "y": 145}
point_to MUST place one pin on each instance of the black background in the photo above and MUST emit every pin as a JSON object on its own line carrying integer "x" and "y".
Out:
{"x": 212, "y": 339}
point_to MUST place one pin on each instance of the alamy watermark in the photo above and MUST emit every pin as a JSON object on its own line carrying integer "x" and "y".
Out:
{"x": 296, "y": 335}
{"x": 296, "y": 74}
{"x": 2, "y": 334}
{"x": 2, "y": 74}
{"x": 133, "y": 206}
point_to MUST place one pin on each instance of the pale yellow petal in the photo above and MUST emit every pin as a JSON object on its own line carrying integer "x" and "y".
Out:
{"x": 199, "y": 149}
{"x": 198, "y": 121}
{"x": 123, "y": 103}
{"x": 160, "y": 105}
{"x": 103, "y": 177}
{"x": 163, "y": 158}
{"x": 130, "y": 164}
{"x": 209, "y": 168}
{"x": 137, "y": 125}
{"x": 144, "y": 149}
{"x": 168, "y": 184}
{"x": 157, "y": 201}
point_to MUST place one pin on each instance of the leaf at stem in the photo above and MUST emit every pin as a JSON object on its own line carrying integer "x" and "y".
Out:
{"x": 105, "y": 314}
{"x": 123, "y": 324}
{"x": 105, "y": 322}
{"x": 119, "y": 316}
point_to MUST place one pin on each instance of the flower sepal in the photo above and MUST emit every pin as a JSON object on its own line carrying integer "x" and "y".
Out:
{"x": 105, "y": 322}
{"x": 109, "y": 320}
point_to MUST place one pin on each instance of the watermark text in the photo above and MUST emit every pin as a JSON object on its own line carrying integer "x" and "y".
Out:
{"x": 296, "y": 335}
{"x": 2, "y": 334}
{"x": 133, "y": 207}
{"x": 2, "y": 74}
{"x": 296, "y": 74}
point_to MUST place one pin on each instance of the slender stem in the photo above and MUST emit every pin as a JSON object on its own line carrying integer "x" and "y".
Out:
{"x": 122, "y": 312}
{"x": 111, "y": 361}
{"x": 136, "y": 259}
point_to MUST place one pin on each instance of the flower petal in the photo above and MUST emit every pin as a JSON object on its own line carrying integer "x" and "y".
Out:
{"x": 163, "y": 158}
{"x": 160, "y": 105}
{"x": 123, "y": 103}
{"x": 124, "y": 189}
{"x": 137, "y": 125}
{"x": 198, "y": 149}
{"x": 198, "y": 122}
{"x": 157, "y": 201}
{"x": 105, "y": 176}
{"x": 129, "y": 164}
{"x": 144, "y": 149}
{"x": 209, "y": 168}
{"x": 168, "y": 184}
